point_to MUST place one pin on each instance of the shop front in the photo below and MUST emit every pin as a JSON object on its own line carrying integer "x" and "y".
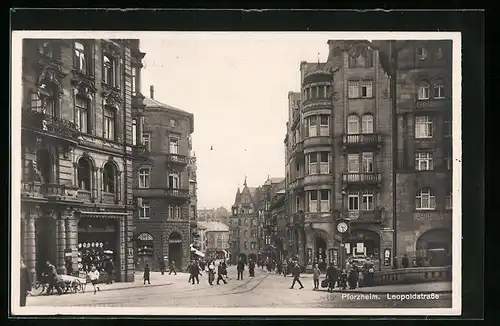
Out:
{"x": 145, "y": 251}
{"x": 433, "y": 248}
{"x": 98, "y": 244}
{"x": 175, "y": 249}
{"x": 363, "y": 246}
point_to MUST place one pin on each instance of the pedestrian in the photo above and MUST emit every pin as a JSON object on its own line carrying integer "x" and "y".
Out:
{"x": 146, "y": 274}
{"x": 316, "y": 273}
{"x": 343, "y": 280}
{"x": 404, "y": 261}
{"x": 285, "y": 268}
{"x": 162, "y": 265}
{"x": 221, "y": 271}
{"x": 94, "y": 278}
{"x": 352, "y": 278}
{"x": 240, "y": 267}
{"x": 172, "y": 268}
{"x": 361, "y": 279}
{"x": 25, "y": 284}
{"x": 331, "y": 275}
{"x": 211, "y": 273}
{"x": 195, "y": 273}
{"x": 251, "y": 268}
{"x": 53, "y": 279}
{"x": 110, "y": 266}
{"x": 296, "y": 276}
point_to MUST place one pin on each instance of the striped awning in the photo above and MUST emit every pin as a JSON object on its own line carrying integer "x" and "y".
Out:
{"x": 88, "y": 214}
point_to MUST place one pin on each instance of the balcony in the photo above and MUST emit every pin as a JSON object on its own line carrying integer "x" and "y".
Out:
{"x": 38, "y": 190}
{"x": 362, "y": 179}
{"x": 373, "y": 216}
{"x": 45, "y": 124}
{"x": 177, "y": 193}
{"x": 177, "y": 159}
{"x": 361, "y": 140}
{"x": 108, "y": 198}
{"x": 318, "y": 141}
{"x": 317, "y": 103}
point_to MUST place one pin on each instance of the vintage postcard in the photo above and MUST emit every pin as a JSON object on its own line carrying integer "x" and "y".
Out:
{"x": 236, "y": 173}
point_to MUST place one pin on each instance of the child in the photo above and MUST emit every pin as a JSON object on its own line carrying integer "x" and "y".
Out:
{"x": 94, "y": 278}
{"x": 316, "y": 273}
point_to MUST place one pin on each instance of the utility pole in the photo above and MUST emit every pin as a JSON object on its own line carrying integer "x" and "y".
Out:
{"x": 393, "y": 64}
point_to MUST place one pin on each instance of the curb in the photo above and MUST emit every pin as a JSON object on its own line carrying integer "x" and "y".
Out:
{"x": 391, "y": 292}
{"x": 133, "y": 287}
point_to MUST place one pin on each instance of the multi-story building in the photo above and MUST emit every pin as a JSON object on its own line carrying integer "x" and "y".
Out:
{"x": 339, "y": 163}
{"x": 193, "y": 202}
{"x": 357, "y": 154}
{"x": 220, "y": 214}
{"x": 244, "y": 226}
{"x": 421, "y": 73}
{"x": 216, "y": 238}
{"x": 76, "y": 198}
{"x": 270, "y": 217}
{"x": 161, "y": 183}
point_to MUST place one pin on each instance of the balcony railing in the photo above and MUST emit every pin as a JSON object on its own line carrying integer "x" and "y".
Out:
{"x": 361, "y": 139}
{"x": 177, "y": 192}
{"x": 371, "y": 216}
{"x": 84, "y": 195}
{"x": 361, "y": 178}
{"x": 41, "y": 122}
{"x": 177, "y": 159}
{"x": 47, "y": 190}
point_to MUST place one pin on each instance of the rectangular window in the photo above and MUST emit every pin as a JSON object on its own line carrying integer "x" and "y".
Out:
{"x": 423, "y": 127}
{"x": 424, "y": 162}
{"x": 82, "y": 114}
{"x": 313, "y": 163}
{"x": 146, "y": 141}
{"x": 144, "y": 210}
{"x": 173, "y": 145}
{"x": 134, "y": 81}
{"x": 447, "y": 128}
{"x": 109, "y": 123}
{"x": 438, "y": 91}
{"x": 324, "y": 127}
{"x": 423, "y": 92}
{"x": 321, "y": 91}
{"x": 297, "y": 204}
{"x": 367, "y": 162}
{"x": 144, "y": 178}
{"x": 173, "y": 181}
{"x": 425, "y": 200}
{"x": 366, "y": 89}
{"x": 324, "y": 165}
{"x": 108, "y": 72}
{"x": 325, "y": 200}
{"x": 80, "y": 60}
{"x": 313, "y": 129}
{"x": 367, "y": 201}
{"x": 353, "y": 202}
{"x": 36, "y": 102}
{"x": 353, "y": 163}
{"x": 134, "y": 132}
{"x": 313, "y": 201}
{"x": 353, "y": 88}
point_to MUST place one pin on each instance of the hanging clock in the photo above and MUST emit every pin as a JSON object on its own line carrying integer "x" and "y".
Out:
{"x": 342, "y": 227}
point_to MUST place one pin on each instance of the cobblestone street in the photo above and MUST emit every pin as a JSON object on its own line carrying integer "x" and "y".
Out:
{"x": 263, "y": 290}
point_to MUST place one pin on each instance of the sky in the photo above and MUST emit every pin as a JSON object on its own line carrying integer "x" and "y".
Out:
{"x": 236, "y": 85}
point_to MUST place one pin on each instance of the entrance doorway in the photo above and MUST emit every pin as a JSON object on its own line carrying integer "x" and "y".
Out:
{"x": 46, "y": 234}
{"x": 434, "y": 248}
{"x": 320, "y": 254}
{"x": 175, "y": 249}
{"x": 144, "y": 251}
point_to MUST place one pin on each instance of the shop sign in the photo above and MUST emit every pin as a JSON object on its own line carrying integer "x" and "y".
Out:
{"x": 429, "y": 104}
{"x": 428, "y": 216}
{"x": 309, "y": 256}
{"x": 175, "y": 241}
{"x": 387, "y": 257}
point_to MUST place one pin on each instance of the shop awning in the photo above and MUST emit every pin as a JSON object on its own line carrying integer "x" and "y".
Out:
{"x": 197, "y": 252}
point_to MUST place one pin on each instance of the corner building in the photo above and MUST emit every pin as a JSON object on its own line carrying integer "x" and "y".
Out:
{"x": 76, "y": 199}
{"x": 338, "y": 148}
{"x": 161, "y": 183}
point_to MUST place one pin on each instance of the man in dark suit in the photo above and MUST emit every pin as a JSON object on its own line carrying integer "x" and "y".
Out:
{"x": 25, "y": 284}
{"x": 240, "y": 267}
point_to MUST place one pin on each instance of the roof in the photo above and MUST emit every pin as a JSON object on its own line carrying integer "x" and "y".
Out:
{"x": 214, "y": 226}
{"x": 151, "y": 103}
{"x": 272, "y": 181}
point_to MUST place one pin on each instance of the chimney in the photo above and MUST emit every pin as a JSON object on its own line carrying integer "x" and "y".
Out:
{"x": 152, "y": 92}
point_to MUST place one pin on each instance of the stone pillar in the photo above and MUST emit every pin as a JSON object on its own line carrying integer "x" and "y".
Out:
{"x": 75, "y": 174}
{"x": 72, "y": 237}
{"x": 94, "y": 183}
{"x": 118, "y": 189}
{"x": 99, "y": 178}
{"x": 61, "y": 244}
{"x": 140, "y": 127}
{"x": 30, "y": 242}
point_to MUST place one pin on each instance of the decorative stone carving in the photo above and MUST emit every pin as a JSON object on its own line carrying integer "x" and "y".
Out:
{"x": 112, "y": 48}
{"x": 112, "y": 98}
{"x": 84, "y": 86}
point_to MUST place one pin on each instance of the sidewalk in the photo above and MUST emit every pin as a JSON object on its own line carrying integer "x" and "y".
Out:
{"x": 431, "y": 287}
{"x": 155, "y": 277}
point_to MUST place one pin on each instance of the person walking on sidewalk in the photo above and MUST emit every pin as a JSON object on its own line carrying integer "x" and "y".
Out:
{"x": 240, "y": 267}
{"x": 195, "y": 273}
{"x": 296, "y": 276}
{"x": 221, "y": 271}
{"x": 251, "y": 268}
{"x": 331, "y": 276}
{"x": 211, "y": 273}
{"x": 25, "y": 284}
{"x": 146, "y": 274}
{"x": 110, "y": 267}
{"x": 172, "y": 268}
{"x": 285, "y": 268}
{"x": 316, "y": 273}
{"x": 162, "y": 265}
{"x": 94, "y": 278}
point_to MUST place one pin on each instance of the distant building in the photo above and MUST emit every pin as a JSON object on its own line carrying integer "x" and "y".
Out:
{"x": 220, "y": 214}
{"x": 216, "y": 238}
{"x": 162, "y": 139}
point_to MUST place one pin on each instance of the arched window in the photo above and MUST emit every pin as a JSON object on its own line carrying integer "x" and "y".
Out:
{"x": 352, "y": 124}
{"x": 425, "y": 199}
{"x": 423, "y": 90}
{"x": 438, "y": 89}
{"x": 80, "y": 60}
{"x": 367, "y": 124}
{"x": 44, "y": 164}
{"x": 173, "y": 181}
{"x": 109, "y": 178}
{"x": 84, "y": 168}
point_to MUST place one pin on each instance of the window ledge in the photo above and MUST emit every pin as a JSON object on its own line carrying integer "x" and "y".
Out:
{"x": 417, "y": 210}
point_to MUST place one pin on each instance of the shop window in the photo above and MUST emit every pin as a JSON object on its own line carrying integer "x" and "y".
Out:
{"x": 84, "y": 174}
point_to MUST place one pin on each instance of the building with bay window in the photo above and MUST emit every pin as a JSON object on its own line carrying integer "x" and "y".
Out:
{"x": 76, "y": 195}
{"x": 163, "y": 175}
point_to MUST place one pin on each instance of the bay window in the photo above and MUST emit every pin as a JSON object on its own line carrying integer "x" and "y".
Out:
{"x": 312, "y": 126}
{"x": 325, "y": 200}
{"x": 324, "y": 126}
{"x": 324, "y": 165}
{"x": 313, "y": 201}
{"x": 313, "y": 163}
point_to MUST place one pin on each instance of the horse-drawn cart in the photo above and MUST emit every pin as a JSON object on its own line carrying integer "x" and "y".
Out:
{"x": 67, "y": 283}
